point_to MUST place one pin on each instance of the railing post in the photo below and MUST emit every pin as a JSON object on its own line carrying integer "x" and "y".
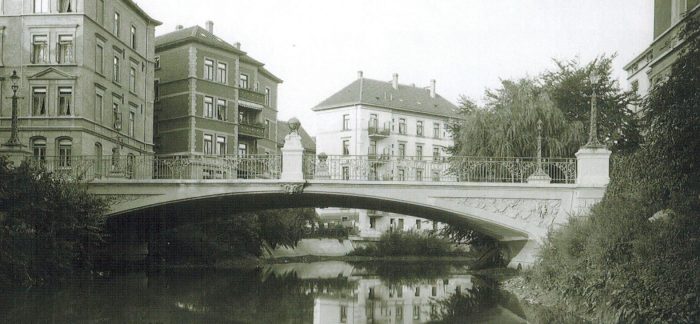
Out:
{"x": 322, "y": 171}
{"x": 293, "y": 154}
{"x": 593, "y": 169}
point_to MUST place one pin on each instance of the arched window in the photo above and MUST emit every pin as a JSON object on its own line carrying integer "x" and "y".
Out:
{"x": 38, "y": 146}
{"x": 65, "y": 148}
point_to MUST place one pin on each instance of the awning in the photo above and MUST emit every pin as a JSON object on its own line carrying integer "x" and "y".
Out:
{"x": 250, "y": 105}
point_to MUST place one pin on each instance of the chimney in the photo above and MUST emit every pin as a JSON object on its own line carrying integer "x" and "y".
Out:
{"x": 237, "y": 45}
{"x": 432, "y": 88}
{"x": 395, "y": 82}
{"x": 210, "y": 26}
{"x": 359, "y": 74}
{"x": 178, "y": 27}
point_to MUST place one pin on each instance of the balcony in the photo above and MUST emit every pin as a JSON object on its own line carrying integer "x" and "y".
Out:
{"x": 378, "y": 157}
{"x": 251, "y": 130}
{"x": 375, "y": 131}
{"x": 251, "y": 96}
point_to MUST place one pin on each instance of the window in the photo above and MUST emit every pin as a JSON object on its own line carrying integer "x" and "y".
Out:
{"x": 433, "y": 291}
{"x": 132, "y": 39}
{"x": 66, "y": 6}
{"x": 419, "y": 175}
{"x": 99, "y": 59}
{"x": 418, "y": 223}
{"x": 419, "y": 152}
{"x": 115, "y": 69}
{"x": 419, "y": 128}
{"x": 209, "y": 69}
{"x": 243, "y": 81}
{"x": 99, "y": 107}
{"x": 221, "y": 145}
{"x": 346, "y": 173}
{"x": 436, "y": 153}
{"x": 64, "y": 152}
{"x": 65, "y": 49}
{"x": 267, "y": 97}
{"x": 156, "y": 90}
{"x": 343, "y": 314}
{"x": 436, "y": 130}
{"x": 242, "y": 149}
{"x": 39, "y": 149}
{"x": 221, "y": 109}
{"x": 373, "y": 121}
{"x": 346, "y": 147}
{"x": 132, "y": 79}
{"x": 402, "y": 125}
{"x": 346, "y": 122}
{"x": 208, "y": 144}
{"x": 117, "y": 22}
{"x": 372, "y": 223}
{"x": 372, "y": 147}
{"x": 41, "y": 6}
{"x": 402, "y": 150}
{"x": 267, "y": 129}
{"x": 156, "y": 62}
{"x": 221, "y": 71}
{"x": 242, "y": 117}
{"x": 65, "y": 101}
{"x": 256, "y": 86}
{"x": 416, "y": 308}
{"x": 132, "y": 119}
{"x": 116, "y": 116}
{"x": 100, "y": 13}
{"x": 40, "y": 49}
{"x": 402, "y": 175}
{"x": 39, "y": 101}
{"x": 208, "y": 107}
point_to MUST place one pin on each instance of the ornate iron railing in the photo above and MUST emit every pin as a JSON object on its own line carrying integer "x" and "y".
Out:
{"x": 252, "y": 96}
{"x": 87, "y": 168}
{"x": 446, "y": 169}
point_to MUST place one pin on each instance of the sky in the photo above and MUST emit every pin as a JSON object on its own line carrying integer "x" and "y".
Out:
{"x": 317, "y": 46}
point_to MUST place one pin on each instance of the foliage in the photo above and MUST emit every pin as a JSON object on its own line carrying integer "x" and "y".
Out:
{"x": 336, "y": 231}
{"x": 243, "y": 234}
{"x": 461, "y": 234}
{"x": 411, "y": 243}
{"x": 618, "y": 261}
{"x": 50, "y": 227}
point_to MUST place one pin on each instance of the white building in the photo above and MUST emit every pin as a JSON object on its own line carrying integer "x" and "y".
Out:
{"x": 382, "y": 122}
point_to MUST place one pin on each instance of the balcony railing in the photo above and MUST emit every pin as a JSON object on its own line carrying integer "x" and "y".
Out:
{"x": 252, "y": 130}
{"x": 448, "y": 169}
{"x": 374, "y": 130}
{"x": 251, "y": 96}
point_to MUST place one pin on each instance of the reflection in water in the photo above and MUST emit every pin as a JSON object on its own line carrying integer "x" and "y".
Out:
{"x": 326, "y": 292}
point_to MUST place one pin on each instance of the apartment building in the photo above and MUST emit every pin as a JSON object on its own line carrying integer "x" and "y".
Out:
{"x": 653, "y": 65}
{"x": 212, "y": 97}
{"x": 85, "y": 72}
{"x": 381, "y": 121}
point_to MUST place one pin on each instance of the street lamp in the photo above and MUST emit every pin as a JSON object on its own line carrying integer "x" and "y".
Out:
{"x": 593, "y": 131}
{"x": 14, "y": 138}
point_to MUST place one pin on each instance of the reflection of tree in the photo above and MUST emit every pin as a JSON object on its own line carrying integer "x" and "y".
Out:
{"x": 466, "y": 305}
{"x": 407, "y": 273}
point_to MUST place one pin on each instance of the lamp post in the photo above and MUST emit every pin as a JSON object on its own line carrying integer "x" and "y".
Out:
{"x": 593, "y": 131}
{"x": 540, "y": 176}
{"x": 14, "y": 137}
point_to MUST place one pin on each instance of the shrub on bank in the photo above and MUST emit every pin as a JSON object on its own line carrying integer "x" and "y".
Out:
{"x": 635, "y": 257}
{"x": 399, "y": 243}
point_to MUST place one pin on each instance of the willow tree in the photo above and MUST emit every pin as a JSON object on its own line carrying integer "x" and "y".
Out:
{"x": 507, "y": 125}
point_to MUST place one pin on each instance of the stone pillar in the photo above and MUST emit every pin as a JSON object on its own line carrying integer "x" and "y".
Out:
{"x": 593, "y": 169}
{"x": 15, "y": 154}
{"x": 293, "y": 154}
{"x": 321, "y": 171}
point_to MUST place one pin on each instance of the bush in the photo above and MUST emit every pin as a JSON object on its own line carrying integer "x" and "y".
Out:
{"x": 398, "y": 243}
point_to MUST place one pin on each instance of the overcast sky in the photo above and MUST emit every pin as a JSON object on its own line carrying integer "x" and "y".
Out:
{"x": 317, "y": 46}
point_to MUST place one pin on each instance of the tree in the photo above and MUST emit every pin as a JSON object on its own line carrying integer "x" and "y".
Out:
{"x": 570, "y": 88}
{"x": 50, "y": 227}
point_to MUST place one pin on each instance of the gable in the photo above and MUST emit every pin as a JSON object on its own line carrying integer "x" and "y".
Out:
{"x": 52, "y": 74}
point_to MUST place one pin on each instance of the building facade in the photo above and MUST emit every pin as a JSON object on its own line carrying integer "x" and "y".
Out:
{"x": 384, "y": 121}
{"x": 85, "y": 82}
{"x": 213, "y": 99}
{"x": 653, "y": 65}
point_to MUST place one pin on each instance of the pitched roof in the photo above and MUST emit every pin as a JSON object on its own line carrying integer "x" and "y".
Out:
{"x": 307, "y": 141}
{"x": 143, "y": 14}
{"x": 382, "y": 94}
{"x": 203, "y": 36}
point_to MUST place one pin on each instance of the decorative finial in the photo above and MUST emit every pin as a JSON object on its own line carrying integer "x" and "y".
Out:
{"x": 294, "y": 125}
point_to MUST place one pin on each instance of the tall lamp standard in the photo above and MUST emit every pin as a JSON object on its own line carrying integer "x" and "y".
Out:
{"x": 14, "y": 137}
{"x": 593, "y": 131}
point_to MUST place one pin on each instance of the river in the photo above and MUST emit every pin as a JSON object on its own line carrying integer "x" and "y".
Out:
{"x": 319, "y": 292}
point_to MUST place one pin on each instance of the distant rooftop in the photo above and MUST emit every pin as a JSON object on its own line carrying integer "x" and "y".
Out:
{"x": 390, "y": 94}
{"x": 205, "y": 37}
{"x": 306, "y": 140}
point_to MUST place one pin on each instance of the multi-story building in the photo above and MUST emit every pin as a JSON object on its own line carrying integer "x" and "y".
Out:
{"x": 212, "y": 97}
{"x": 653, "y": 65}
{"x": 85, "y": 77}
{"x": 384, "y": 121}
